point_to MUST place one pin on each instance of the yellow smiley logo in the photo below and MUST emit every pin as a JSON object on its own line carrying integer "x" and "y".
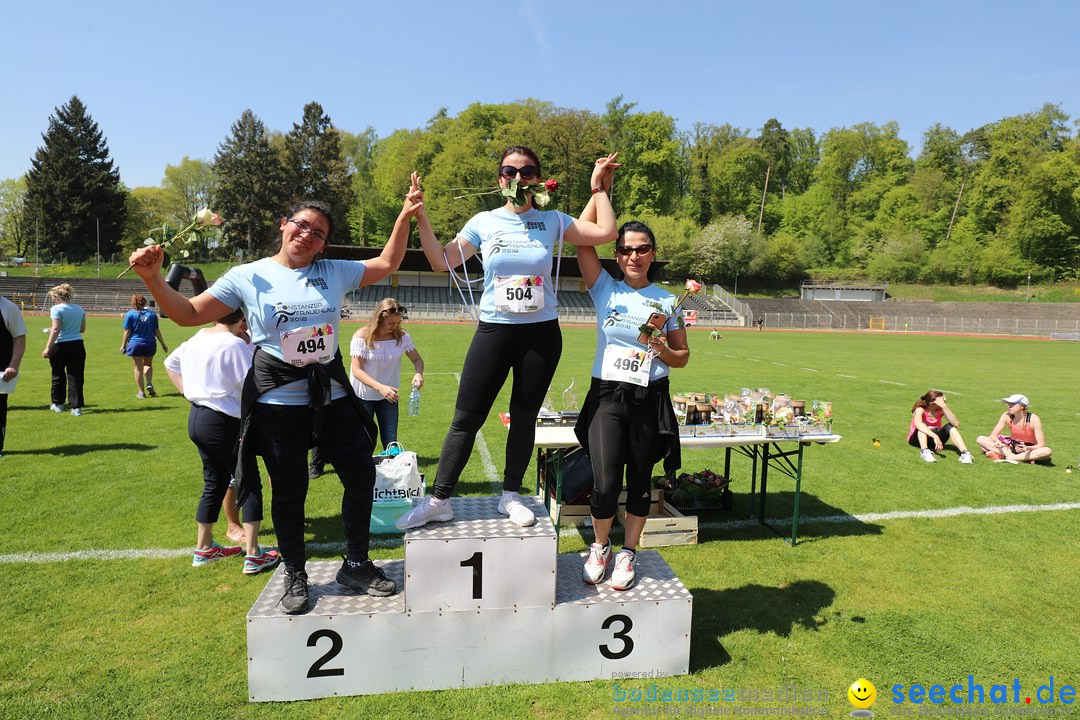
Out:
{"x": 862, "y": 693}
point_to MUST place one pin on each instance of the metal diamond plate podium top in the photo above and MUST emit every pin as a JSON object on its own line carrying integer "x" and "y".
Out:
{"x": 329, "y": 598}
{"x": 655, "y": 581}
{"x": 479, "y": 517}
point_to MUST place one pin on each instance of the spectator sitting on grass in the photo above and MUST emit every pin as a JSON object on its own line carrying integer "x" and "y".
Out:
{"x": 1025, "y": 441}
{"x": 927, "y": 431}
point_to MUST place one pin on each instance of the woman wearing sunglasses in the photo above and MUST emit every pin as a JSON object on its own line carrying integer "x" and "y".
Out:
{"x": 297, "y": 390}
{"x": 627, "y": 423}
{"x": 518, "y": 331}
{"x": 376, "y": 365}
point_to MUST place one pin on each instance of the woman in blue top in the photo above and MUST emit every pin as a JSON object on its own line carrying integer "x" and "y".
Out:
{"x": 297, "y": 391}
{"x": 65, "y": 350}
{"x": 518, "y": 330}
{"x": 627, "y": 420}
{"x": 140, "y": 331}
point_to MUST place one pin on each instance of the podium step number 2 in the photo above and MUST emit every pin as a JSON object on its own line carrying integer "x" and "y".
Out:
{"x": 460, "y": 622}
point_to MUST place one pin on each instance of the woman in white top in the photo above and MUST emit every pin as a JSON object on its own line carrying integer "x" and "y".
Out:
{"x": 209, "y": 370}
{"x": 376, "y": 365}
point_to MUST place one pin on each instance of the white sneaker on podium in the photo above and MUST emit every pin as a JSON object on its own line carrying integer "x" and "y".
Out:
{"x": 428, "y": 510}
{"x": 510, "y": 504}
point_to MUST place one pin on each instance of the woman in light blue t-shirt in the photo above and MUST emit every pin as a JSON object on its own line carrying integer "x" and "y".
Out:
{"x": 65, "y": 350}
{"x": 297, "y": 390}
{"x": 627, "y": 423}
{"x": 518, "y": 332}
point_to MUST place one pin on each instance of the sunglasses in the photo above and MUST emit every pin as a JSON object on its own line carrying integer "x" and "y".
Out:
{"x": 402, "y": 311}
{"x": 529, "y": 171}
{"x": 305, "y": 227}
{"x": 628, "y": 251}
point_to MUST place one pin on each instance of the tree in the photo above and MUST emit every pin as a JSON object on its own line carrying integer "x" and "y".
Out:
{"x": 72, "y": 188}
{"x": 15, "y": 234}
{"x": 776, "y": 146}
{"x": 728, "y": 246}
{"x": 315, "y": 166}
{"x": 191, "y": 183}
{"x": 251, "y": 190}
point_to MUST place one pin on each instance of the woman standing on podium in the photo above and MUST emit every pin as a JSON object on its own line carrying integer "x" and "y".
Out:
{"x": 518, "y": 330}
{"x": 298, "y": 390}
{"x": 627, "y": 421}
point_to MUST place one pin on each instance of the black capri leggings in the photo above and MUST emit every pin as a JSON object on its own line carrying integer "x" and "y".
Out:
{"x": 214, "y": 434}
{"x": 622, "y": 434}
{"x": 532, "y": 352}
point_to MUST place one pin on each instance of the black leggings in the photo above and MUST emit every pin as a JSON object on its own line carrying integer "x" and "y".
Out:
{"x": 282, "y": 435}
{"x": 214, "y": 434}
{"x": 622, "y": 434}
{"x": 532, "y": 352}
{"x": 68, "y": 363}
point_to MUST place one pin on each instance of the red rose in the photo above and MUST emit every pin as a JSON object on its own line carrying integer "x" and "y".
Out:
{"x": 551, "y": 185}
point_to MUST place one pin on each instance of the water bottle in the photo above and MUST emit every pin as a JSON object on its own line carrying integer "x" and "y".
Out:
{"x": 414, "y": 401}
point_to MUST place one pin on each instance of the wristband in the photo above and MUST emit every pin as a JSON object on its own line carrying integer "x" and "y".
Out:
{"x": 597, "y": 189}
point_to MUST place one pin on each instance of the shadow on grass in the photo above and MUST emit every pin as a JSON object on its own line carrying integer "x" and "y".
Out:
{"x": 817, "y": 519}
{"x": 96, "y": 410}
{"x": 775, "y": 610}
{"x": 70, "y": 450}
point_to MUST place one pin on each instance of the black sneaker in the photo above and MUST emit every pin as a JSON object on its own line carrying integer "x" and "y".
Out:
{"x": 368, "y": 578}
{"x": 314, "y": 471}
{"x": 294, "y": 601}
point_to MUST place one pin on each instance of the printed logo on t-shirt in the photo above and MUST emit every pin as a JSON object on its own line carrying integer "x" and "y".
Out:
{"x": 284, "y": 313}
{"x": 316, "y": 282}
{"x": 613, "y": 317}
{"x": 511, "y": 242}
{"x": 535, "y": 225}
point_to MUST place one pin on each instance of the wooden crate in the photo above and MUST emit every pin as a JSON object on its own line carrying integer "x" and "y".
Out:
{"x": 668, "y": 527}
{"x": 578, "y": 515}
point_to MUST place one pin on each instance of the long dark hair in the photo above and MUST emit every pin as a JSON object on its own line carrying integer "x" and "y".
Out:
{"x": 926, "y": 400}
{"x": 640, "y": 227}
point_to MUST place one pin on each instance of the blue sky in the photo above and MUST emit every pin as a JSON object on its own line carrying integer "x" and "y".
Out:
{"x": 167, "y": 79}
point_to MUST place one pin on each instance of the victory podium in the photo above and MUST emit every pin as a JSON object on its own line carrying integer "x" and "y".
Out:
{"x": 480, "y": 602}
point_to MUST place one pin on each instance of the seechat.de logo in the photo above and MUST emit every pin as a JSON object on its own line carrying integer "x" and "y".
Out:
{"x": 862, "y": 695}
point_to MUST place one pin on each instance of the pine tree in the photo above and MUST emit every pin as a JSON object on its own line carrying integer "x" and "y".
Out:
{"x": 315, "y": 167}
{"x": 72, "y": 188}
{"x": 250, "y": 193}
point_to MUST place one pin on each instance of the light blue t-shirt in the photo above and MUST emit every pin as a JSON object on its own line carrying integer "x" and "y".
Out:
{"x": 516, "y": 245}
{"x": 277, "y": 299}
{"x": 621, "y": 311}
{"x": 71, "y": 320}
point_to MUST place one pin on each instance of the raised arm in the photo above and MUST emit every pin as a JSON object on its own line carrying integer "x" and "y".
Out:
{"x": 441, "y": 259}
{"x": 949, "y": 414}
{"x": 390, "y": 259}
{"x": 199, "y": 310}
{"x": 602, "y": 228}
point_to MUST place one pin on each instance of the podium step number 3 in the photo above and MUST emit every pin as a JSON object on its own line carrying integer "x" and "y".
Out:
{"x": 484, "y": 603}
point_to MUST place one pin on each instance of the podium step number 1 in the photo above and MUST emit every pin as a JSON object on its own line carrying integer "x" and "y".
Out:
{"x": 484, "y": 603}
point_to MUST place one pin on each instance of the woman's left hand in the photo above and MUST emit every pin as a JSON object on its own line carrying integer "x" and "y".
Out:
{"x": 657, "y": 344}
{"x": 418, "y": 380}
{"x": 603, "y": 171}
{"x": 414, "y": 198}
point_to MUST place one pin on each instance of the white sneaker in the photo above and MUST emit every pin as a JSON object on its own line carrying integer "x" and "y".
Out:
{"x": 77, "y": 412}
{"x": 597, "y": 564}
{"x": 965, "y": 458}
{"x": 56, "y": 408}
{"x": 510, "y": 504}
{"x": 623, "y": 576}
{"x": 928, "y": 455}
{"x": 428, "y": 510}
{"x": 1007, "y": 460}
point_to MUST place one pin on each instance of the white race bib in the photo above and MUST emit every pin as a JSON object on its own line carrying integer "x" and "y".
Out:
{"x": 519, "y": 293}
{"x": 626, "y": 365}
{"x": 306, "y": 345}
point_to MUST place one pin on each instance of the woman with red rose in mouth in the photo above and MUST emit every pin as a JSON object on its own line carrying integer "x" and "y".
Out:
{"x": 518, "y": 331}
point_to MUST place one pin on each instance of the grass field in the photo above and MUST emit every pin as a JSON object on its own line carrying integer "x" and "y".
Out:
{"x": 910, "y": 598}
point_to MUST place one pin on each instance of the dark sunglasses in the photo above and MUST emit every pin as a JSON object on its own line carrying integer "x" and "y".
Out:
{"x": 529, "y": 171}
{"x": 628, "y": 251}
{"x": 305, "y": 227}
{"x": 399, "y": 310}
